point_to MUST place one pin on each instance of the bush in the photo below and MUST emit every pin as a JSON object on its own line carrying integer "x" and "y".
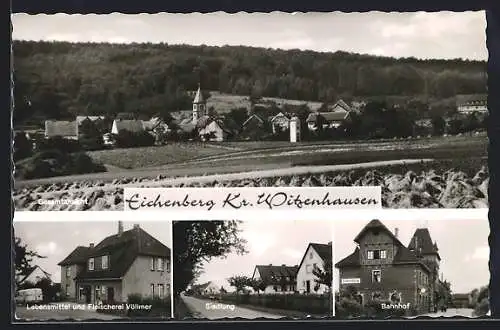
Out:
{"x": 59, "y": 143}
{"x": 127, "y": 139}
{"x": 23, "y": 147}
{"x": 51, "y": 163}
{"x": 312, "y": 304}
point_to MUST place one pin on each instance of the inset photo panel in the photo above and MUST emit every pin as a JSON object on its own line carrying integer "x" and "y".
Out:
{"x": 411, "y": 268}
{"x": 68, "y": 271}
{"x": 252, "y": 269}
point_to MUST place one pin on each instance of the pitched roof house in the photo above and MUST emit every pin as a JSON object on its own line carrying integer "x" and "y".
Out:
{"x": 61, "y": 128}
{"x": 280, "y": 122}
{"x": 472, "y": 103}
{"x": 80, "y": 119}
{"x": 128, "y": 262}
{"x": 279, "y": 279}
{"x": 35, "y": 275}
{"x": 134, "y": 126}
{"x": 381, "y": 267}
{"x": 316, "y": 256}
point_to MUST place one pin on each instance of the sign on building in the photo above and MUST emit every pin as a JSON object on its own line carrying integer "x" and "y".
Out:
{"x": 350, "y": 281}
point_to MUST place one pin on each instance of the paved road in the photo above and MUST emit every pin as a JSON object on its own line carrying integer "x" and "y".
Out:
{"x": 451, "y": 312}
{"x": 214, "y": 310}
{"x": 23, "y": 313}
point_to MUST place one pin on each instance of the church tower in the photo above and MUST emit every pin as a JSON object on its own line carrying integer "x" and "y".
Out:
{"x": 199, "y": 105}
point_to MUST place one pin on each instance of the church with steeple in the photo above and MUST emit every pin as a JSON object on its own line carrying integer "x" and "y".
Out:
{"x": 199, "y": 105}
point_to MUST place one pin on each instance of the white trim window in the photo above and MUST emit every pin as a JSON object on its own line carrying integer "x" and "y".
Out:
{"x": 308, "y": 269}
{"x": 383, "y": 254}
{"x": 104, "y": 262}
{"x": 91, "y": 264}
{"x": 68, "y": 271}
{"x": 152, "y": 264}
{"x": 161, "y": 290}
{"x": 370, "y": 255}
{"x": 159, "y": 264}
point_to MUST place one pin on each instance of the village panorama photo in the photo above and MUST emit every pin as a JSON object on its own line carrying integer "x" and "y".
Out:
{"x": 395, "y": 269}
{"x": 252, "y": 269}
{"x": 109, "y": 271}
{"x": 104, "y": 102}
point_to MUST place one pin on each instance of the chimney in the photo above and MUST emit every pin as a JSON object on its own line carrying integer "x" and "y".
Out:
{"x": 120, "y": 227}
{"x": 396, "y": 232}
{"x": 91, "y": 245}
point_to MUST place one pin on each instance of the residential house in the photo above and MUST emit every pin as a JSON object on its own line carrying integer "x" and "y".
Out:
{"x": 381, "y": 268}
{"x": 35, "y": 275}
{"x": 280, "y": 122}
{"x": 61, "y": 128}
{"x": 279, "y": 279}
{"x": 128, "y": 262}
{"x": 475, "y": 103}
{"x": 315, "y": 257}
{"x": 210, "y": 289}
{"x": 86, "y": 124}
{"x": 337, "y": 115}
{"x": 131, "y": 125}
{"x": 461, "y": 300}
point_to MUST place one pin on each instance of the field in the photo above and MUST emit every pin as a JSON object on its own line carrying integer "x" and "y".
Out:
{"x": 421, "y": 173}
{"x": 262, "y": 155}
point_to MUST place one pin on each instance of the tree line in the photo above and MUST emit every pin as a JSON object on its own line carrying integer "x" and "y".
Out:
{"x": 60, "y": 80}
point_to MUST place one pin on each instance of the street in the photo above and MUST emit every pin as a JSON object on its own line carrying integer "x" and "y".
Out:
{"x": 214, "y": 310}
{"x": 451, "y": 312}
{"x": 23, "y": 313}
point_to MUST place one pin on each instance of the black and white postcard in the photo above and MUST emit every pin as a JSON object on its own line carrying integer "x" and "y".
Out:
{"x": 252, "y": 269}
{"x": 81, "y": 271}
{"x": 407, "y": 268}
{"x": 396, "y": 100}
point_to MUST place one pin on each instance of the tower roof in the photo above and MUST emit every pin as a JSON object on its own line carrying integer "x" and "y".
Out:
{"x": 199, "y": 96}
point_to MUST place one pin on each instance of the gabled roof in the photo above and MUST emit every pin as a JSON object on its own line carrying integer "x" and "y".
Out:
{"x": 77, "y": 256}
{"x": 342, "y": 104}
{"x": 129, "y": 125}
{"x": 31, "y": 272}
{"x": 376, "y": 225}
{"x": 351, "y": 260}
{"x": 421, "y": 242}
{"x": 60, "y": 128}
{"x": 272, "y": 273}
{"x": 253, "y": 116}
{"x": 80, "y": 119}
{"x": 403, "y": 255}
{"x": 281, "y": 114}
{"x": 125, "y": 116}
{"x": 203, "y": 121}
{"x": 122, "y": 250}
{"x": 323, "y": 250}
{"x": 328, "y": 116}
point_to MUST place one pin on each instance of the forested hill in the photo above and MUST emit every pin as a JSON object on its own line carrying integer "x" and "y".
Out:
{"x": 58, "y": 79}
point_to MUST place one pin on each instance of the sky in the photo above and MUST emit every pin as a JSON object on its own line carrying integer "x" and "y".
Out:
{"x": 440, "y": 35}
{"x": 56, "y": 240}
{"x": 268, "y": 242}
{"x": 463, "y": 247}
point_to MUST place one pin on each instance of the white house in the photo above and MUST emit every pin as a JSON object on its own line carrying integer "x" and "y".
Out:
{"x": 472, "y": 103}
{"x": 134, "y": 126}
{"x": 210, "y": 289}
{"x": 35, "y": 276}
{"x": 280, "y": 122}
{"x": 315, "y": 257}
{"x": 278, "y": 279}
